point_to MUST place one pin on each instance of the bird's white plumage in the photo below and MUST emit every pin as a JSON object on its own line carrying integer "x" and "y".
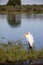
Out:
{"x": 29, "y": 38}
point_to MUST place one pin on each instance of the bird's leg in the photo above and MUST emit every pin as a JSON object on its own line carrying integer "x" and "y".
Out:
{"x": 30, "y": 47}
{"x": 30, "y": 51}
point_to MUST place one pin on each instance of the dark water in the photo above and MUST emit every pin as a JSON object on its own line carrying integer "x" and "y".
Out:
{"x": 12, "y": 27}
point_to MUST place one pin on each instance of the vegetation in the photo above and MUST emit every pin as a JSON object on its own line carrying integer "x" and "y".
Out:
{"x": 14, "y": 2}
{"x": 7, "y": 9}
{"x": 17, "y": 51}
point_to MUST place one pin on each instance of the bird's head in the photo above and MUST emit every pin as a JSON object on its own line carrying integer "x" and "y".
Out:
{"x": 26, "y": 34}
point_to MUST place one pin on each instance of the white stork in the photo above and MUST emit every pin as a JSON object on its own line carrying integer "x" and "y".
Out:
{"x": 29, "y": 38}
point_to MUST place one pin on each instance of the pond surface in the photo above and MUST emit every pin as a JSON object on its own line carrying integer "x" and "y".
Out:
{"x": 12, "y": 27}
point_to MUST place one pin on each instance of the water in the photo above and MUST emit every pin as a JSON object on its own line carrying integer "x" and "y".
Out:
{"x": 12, "y": 27}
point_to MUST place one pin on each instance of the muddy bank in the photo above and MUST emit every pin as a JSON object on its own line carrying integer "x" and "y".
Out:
{"x": 20, "y": 64}
{"x": 29, "y": 62}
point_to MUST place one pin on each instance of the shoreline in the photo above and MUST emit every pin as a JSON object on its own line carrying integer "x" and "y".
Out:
{"x": 19, "y": 13}
{"x": 22, "y": 63}
{"x": 21, "y": 9}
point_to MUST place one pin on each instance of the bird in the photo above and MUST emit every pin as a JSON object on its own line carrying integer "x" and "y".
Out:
{"x": 30, "y": 39}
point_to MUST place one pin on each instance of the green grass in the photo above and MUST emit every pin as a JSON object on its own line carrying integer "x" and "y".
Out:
{"x": 16, "y": 51}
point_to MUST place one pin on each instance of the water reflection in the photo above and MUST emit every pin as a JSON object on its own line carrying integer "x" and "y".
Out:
{"x": 14, "y": 20}
{"x": 34, "y": 16}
